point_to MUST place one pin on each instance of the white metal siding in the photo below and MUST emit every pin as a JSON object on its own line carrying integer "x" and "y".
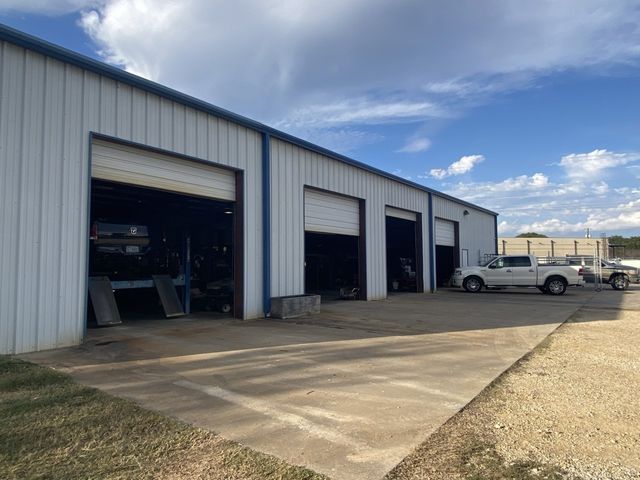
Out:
{"x": 327, "y": 213}
{"x": 476, "y": 230}
{"x": 47, "y": 110}
{"x": 445, "y": 233}
{"x": 124, "y": 164}
{"x": 397, "y": 213}
{"x": 292, "y": 168}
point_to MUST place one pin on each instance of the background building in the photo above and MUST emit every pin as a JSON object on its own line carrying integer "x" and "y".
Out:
{"x": 107, "y": 175}
{"x": 554, "y": 246}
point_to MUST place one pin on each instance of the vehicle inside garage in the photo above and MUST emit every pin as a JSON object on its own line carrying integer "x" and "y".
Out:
{"x": 402, "y": 264}
{"x": 447, "y": 251}
{"x": 139, "y": 234}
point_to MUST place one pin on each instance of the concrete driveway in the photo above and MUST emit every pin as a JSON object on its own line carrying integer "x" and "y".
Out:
{"x": 348, "y": 393}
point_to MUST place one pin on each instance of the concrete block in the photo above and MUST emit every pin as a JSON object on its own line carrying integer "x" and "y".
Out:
{"x": 295, "y": 306}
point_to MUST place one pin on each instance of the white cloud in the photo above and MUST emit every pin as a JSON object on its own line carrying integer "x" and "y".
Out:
{"x": 289, "y": 61}
{"x": 590, "y": 165}
{"x": 460, "y": 167}
{"x": 416, "y": 145}
{"x": 361, "y": 111}
{"x": 563, "y": 207}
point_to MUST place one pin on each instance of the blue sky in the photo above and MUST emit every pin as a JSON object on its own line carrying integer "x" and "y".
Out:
{"x": 531, "y": 109}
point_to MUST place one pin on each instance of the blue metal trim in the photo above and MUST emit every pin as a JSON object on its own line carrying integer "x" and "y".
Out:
{"x": 266, "y": 224}
{"x": 54, "y": 51}
{"x": 432, "y": 266}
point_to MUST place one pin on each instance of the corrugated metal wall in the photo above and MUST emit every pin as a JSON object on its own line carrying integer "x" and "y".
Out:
{"x": 477, "y": 229}
{"x": 47, "y": 109}
{"x": 292, "y": 168}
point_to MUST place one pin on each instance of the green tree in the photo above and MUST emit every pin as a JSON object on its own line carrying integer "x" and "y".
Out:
{"x": 627, "y": 242}
{"x": 531, "y": 235}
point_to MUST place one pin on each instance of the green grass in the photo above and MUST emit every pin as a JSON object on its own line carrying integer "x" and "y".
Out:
{"x": 52, "y": 428}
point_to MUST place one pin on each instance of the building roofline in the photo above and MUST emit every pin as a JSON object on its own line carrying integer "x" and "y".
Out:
{"x": 49, "y": 49}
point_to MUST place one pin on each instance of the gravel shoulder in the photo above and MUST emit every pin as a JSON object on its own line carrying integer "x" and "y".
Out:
{"x": 568, "y": 410}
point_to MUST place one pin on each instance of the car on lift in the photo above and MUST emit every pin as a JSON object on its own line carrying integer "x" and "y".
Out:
{"x": 518, "y": 271}
{"x": 617, "y": 275}
{"x": 120, "y": 251}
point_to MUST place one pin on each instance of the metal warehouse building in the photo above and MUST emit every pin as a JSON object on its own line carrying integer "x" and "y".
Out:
{"x": 219, "y": 204}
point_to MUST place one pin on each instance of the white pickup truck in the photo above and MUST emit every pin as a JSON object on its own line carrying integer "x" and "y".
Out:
{"x": 518, "y": 271}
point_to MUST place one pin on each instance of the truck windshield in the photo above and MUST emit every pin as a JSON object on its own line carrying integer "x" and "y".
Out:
{"x": 487, "y": 262}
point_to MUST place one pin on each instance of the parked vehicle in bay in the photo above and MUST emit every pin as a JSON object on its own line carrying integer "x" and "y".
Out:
{"x": 617, "y": 275}
{"x": 518, "y": 271}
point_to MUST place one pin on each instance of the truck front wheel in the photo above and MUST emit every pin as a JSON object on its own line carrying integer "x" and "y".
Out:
{"x": 556, "y": 286}
{"x": 472, "y": 284}
{"x": 619, "y": 282}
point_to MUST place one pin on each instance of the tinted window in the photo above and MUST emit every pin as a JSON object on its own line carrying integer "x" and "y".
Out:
{"x": 517, "y": 262}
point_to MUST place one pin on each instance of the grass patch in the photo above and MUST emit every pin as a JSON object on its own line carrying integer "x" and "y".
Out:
{"x": 56, "y": 429}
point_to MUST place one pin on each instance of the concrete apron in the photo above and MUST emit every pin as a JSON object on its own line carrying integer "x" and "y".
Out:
{"x": 348, "y": 393}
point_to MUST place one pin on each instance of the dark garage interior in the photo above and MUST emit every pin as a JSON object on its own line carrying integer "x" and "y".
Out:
{"x": 445, "y": 264}
{"x": 402, "y": 265}
{"x": 138, "y": 232}
{"x": 331, "y": 263}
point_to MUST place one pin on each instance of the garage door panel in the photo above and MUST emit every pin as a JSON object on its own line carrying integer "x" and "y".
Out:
{"x": 445, "y": 233}
{"x": 399, "y": 213}
{"x": 330, "y": 213}
{"x": 119, "y": 163}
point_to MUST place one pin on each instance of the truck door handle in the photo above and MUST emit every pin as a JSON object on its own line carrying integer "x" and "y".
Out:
{"x": 532, "y": 271}
{"x": 508, "y": 270}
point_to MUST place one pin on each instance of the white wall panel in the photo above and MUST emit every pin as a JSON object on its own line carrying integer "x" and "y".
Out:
{"x": 47, "y": 111}
{"x": 293, "y": 168}
{"x": 476, "y": 229}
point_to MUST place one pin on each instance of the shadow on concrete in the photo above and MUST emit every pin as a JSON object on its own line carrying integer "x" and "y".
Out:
{"x": 402, "y": 314}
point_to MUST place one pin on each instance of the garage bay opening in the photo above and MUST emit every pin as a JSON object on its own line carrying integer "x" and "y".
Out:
{"x": 165, "y": 236}
{"x": 447, "y": 251}
{"x": 331, "y": 264}
{"x": 334, "y": 245}
{"x": 404, "y": 251}
{"x": 139, "y": 234}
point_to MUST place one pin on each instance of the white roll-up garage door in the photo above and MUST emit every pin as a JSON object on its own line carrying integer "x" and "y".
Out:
{"x": 124, "y": 164}
{"x": 329, "y": 213}
{"x": 445, "y": 233}
{"x": 399, "y": 213}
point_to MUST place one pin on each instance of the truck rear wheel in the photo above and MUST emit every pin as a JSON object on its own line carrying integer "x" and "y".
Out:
{"x": 472, "y": 284}
{"x": 619, "y": 282}
{"x": 556, "y": 286}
